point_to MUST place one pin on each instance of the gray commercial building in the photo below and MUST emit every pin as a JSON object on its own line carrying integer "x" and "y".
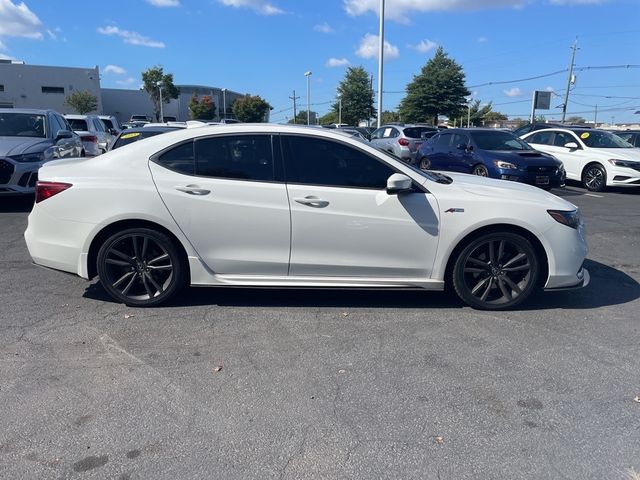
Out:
{"x": 38, "y": 86}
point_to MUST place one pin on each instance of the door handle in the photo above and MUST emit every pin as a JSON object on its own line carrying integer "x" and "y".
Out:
{"x": 312, "y": 201}
{"x": 194, "y": 190}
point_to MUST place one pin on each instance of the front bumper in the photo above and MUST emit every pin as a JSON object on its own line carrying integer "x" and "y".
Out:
{"x": 583, "y": 278}
{"x": 18, "y": 178}
{"x": 542, "y": 179}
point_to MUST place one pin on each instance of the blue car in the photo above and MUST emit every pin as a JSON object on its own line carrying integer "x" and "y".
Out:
{"x": 491, "y": 153}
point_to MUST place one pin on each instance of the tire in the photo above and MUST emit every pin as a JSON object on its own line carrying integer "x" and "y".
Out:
{"x": 425, "y": 164}
{"x": 141, "y": 267}
{"x": 594, "y": 178}
{"x": 480, "y": 170}
{"x": 496, "y": 271}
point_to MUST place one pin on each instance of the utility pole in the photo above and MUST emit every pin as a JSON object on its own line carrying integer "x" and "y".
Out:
{"x": 294, "y": 98}
{"x": 340, "y": 111}
{"x": 569, "y": 79}
{"x": 371, "y": 109}
{"x": 308, "y": 75}
{"x": 595, "y": 118}
{"x": 380, "y": 61}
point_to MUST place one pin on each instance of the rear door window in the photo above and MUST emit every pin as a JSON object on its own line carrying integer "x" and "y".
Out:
{"x": 179, "y": 159}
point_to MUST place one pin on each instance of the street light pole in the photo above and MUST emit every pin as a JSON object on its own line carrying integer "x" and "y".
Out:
{"x": 224, "y": 102}
{"x": 159, "y": 85}
{"x": 468, "y": 114}
{"x": 308, "y": 75}
{"x": 340, "y": 111}
{"x": 380, "y": 61}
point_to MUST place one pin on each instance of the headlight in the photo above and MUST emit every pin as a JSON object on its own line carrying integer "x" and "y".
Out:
{"x": 505, "y": 165}
{"x": 624, "y": 163}
{"x": 29, "y": 157}
{"x": 569, "y": 218}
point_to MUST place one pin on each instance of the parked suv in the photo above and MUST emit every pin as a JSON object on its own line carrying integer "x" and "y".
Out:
{"x": 28, "y": 139}
{"x": 401, "y": 140}
{"x": 532, "y": 127}
{"x": 111, "y": 124}
{"x": 92, "y": 131}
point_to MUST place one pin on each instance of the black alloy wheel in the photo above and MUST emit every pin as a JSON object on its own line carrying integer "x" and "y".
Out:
{"x": 496, "y": 271}
{"x": 480, "y": 170}
{"x": 594, "y": 178}
{"x": 425, "y": 164}
{"x": 140, "y": 267}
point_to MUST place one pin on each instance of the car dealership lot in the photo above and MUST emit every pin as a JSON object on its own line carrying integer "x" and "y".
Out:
{"x": 318, "y": 384}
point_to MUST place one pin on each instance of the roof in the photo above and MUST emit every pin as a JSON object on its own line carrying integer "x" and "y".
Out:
{"x": 35, "y": 111}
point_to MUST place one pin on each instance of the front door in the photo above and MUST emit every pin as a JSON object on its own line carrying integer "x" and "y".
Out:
{"x": 343, "y": 222}
{"x": 224, "y": 195}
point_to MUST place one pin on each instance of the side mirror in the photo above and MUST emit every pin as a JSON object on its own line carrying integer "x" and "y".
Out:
{"x": 63, "y": 134}
{"x": 571, "y": 146}
{"x": 399, "y": 183}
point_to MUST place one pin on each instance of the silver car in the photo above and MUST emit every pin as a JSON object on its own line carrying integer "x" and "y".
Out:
{"x": 92, "y": 131}
{"x": 28, "y": 139}
{"x": 401, "y": 140}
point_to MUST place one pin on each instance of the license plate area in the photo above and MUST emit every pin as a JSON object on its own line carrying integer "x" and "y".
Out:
{"x": 542, "y": 180}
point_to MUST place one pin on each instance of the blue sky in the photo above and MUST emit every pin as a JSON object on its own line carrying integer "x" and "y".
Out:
{"x": 264, "y": 47}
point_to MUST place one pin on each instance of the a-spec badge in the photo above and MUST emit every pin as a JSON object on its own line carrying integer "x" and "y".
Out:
{"x": 454, "y": 210}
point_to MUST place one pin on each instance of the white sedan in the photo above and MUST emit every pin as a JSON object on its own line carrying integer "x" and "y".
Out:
{"x": 594, "y": 157}
{"x": 287, "y": 206}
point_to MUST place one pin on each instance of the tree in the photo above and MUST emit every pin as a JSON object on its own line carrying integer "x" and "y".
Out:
{"x": 251, "y": 108}
{"x": 327, "y": 119}
{"x": 390, "y": 117}
{"x": 82, "y": 102}
{"x": 357, "y": 96}
{"x": 576, "y": 119}
{"x": 495, "y": 117}
{"x": 203, "y": 109}
{"x": 438, "y": 89}
{"x": 154, "y": 78}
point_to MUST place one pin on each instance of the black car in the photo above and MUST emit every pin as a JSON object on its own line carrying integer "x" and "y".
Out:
{"x": 28, "y": 139}
{"x": 131, "y": 135}
{"x": 629, "y": 136}
{"x": 491, "y": 153}
{"x": 532, "y": 127}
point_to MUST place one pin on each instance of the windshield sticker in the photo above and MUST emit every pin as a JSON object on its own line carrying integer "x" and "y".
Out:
{"x": 130, "y": 135}
{"x": 584, "y": 135}
{"x": 387, "y": 132}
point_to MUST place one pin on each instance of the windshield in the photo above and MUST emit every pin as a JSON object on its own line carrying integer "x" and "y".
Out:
{"x": 599, "y": 139}
{"x": 498, "y": 141}
{"x": 22, "y": 125}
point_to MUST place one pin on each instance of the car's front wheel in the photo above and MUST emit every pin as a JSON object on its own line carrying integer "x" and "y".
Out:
{"x": 480, "y": 170}
{"x": 140, "y": 267}
{"x": 594, "y": 178}
{"x": 425, "y": 164}
{"x": 496, "y": 271}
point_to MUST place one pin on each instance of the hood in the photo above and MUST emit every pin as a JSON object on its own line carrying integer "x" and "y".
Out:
{"x": 618, "y": 153}
{"x": 19, "y": 145}
{"x": 509, "y": 191}
{"x": 523, "y": 158}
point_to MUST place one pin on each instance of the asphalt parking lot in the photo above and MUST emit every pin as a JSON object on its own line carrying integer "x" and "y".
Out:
{"x": 297, "y": 384}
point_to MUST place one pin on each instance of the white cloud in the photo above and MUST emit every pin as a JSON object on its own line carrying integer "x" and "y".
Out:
{"x": 126, "y": 82}
{"x": 424, "y": 46}
{"x": 576, "y": 2}
{"x": 164, "y": 3}
{"x": 513, "y": 92}
{"x": 261, "y": 6}
{"x": 16, "y": 20}
{"x": 549, "y": 89}
{"x": 323, "y": 28}
{"x": 115, "y": 69}
{"x": 482, "y": 40}
{"x": 338, "y": 62}
{"x": 132, "y": 38}
{"x": 369, "y": 48}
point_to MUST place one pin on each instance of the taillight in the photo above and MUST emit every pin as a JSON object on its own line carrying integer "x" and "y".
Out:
{"x": 46, "y": 190}
{"x": 89, "y": 138}
{"x": 404, "y": 142}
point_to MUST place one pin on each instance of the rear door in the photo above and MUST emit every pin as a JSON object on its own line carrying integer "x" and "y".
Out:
{"x": 227, "y": 195}
{"x": 459, "y": 158}
{"x": 439, "y": 154}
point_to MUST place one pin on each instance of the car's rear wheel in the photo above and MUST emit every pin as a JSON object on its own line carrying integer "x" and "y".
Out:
{"x": 594, "y": 178}
{"x": 496, "y": 271}
{"x": 425, "y": 164}
{"x": 480, "y": 170}
{"x": 140, "y": 267}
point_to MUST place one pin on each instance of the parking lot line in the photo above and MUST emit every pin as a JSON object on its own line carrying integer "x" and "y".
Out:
{"x": 593, "y": 195}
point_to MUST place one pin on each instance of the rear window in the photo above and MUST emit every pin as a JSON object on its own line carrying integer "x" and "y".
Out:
{"x": 78, "y": 124}
{"x": 416, "y": 132}
{"x": 107, "y": 123}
